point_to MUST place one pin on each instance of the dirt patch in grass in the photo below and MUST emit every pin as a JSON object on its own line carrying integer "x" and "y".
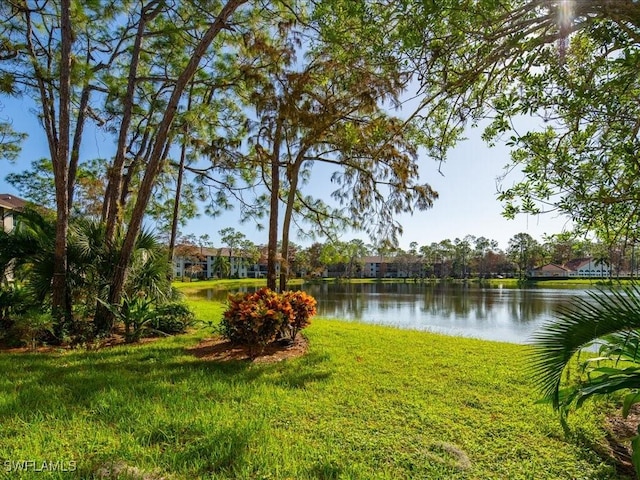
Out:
{"x": 620, "y": 431}
{"x": 220, "y": 350}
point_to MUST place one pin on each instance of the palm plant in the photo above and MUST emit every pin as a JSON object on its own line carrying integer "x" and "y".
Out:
{"x": 28, "y": 252}
{"x": 608, "y": 320}
{"x": 222, "y": 266}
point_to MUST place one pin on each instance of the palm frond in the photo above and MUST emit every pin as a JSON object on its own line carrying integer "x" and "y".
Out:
{"x": 614, "y": 314}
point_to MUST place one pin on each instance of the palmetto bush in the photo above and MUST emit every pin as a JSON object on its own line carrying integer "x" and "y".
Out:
{"x": 603, "y": 332}
{"x": 28, "y": 252}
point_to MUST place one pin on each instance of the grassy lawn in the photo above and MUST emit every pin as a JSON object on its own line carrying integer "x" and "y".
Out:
{"x": 366, "y": 402}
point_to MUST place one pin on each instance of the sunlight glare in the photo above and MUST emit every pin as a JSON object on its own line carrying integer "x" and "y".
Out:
{"x": 565, "y": 15}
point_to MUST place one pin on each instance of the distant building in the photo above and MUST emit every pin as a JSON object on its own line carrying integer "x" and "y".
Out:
{"x": 550, "y": 270}
{"x": 588, "y": 267}
{"x": 379, "y": 266}
{"x": 202, "y": 262}
{"x": 376, "y": 266}
{"x": 9, "y": 205}
{"x": 577, "y": 268}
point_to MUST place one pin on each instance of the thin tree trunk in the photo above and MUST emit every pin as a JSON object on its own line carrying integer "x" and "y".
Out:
{"x": 77, "y": 140}
{"x": 286, "y": 222}
{"x": 176, "y": 204}
{"x": 156, "y": 159}
{"x": 61, "y": 168}
{"x": 272, "y": 248}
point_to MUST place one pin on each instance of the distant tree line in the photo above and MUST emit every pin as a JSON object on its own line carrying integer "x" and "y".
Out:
{"x": 467, "y": 257}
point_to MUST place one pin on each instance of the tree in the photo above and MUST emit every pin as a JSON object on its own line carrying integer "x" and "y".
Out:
{"x": 29, "y": 249}
{"x": 482, "y": 247}
{"x": 573, "y": 64}
{"x": 319, "y": 106}
{"x": 10, "y": 140}
{"x": 428, "y": 256}
{"x": 445, "y": 251}
{"x": 41, "y": 62}
{"x": 310, "y": 260}
{"x": 160, "y": 142}
{"x": 221, "y": 265}
{"x": 462, "y": 253}
{"x": 139, "y": 107}
{"x": 38, "y": 186}
{"x": 249, "y": 253}
{"x": 583, "y": 162}
{"x": 355, "y": 251}
{"x": 233, "y": 240}
{"x": 524, "y": 251}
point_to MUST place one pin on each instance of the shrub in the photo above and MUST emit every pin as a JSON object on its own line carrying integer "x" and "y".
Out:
{"x": 135, "y": 312}
{"x": 172, "y": 318}
{"x": 33, "y": 327}
{"x": 304, "y": 307}
{"x": 22, "y": 320}
{"x": 14, "y": 301}
{"x": 259, "y": 318}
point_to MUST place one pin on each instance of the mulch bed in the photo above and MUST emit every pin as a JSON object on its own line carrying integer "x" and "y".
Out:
{"x": 220, "y": 350}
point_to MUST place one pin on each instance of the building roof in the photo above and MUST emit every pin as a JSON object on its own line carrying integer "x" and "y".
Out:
{"x": 11, "y": 202}
{"x": 577, "y": 263}
{"x": 215, "y": 251}
{"x": 376, "y": 259}
{"x": 552, "y": 267}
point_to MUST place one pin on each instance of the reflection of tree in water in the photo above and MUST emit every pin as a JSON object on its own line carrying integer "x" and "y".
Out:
{"x": 340, "y": 300}
{"x": 529, "y": 305}
{"x": 448, "y": 301}
{"x": 462, "y": 308}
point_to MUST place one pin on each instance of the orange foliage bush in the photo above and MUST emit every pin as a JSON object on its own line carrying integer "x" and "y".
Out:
{"x": 259, "y": 318}
{"x": 304, "y": 307}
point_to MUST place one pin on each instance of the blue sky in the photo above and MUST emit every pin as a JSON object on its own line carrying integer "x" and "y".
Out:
{"x": 467, "y": 189}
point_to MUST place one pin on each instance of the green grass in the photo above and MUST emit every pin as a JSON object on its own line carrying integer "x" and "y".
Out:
{"x": 366, "y": 402}
{"x": 227, "y": 284}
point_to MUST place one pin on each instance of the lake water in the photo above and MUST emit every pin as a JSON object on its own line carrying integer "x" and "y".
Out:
{"x": 504, "y": 314}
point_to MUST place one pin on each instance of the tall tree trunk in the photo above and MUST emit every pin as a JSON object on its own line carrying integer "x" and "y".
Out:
{"x": 286, "y": 222}
{"x": 119, "y": 276}
{"x": 77, "y": 141}
{"x": 61, "y": 170}
{"x": 272, "y": 247}
{"x": 176, "y": 204}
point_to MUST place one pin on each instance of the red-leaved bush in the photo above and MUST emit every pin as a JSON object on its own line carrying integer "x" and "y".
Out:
{"x": 304, "y": 307}
{"x": 259, "y": 318}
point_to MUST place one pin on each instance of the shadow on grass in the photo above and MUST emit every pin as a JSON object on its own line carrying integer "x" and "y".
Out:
{"x": 58, "y": 383}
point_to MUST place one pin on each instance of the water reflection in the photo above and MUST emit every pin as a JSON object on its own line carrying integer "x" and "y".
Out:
{"x": 510, "y": 315}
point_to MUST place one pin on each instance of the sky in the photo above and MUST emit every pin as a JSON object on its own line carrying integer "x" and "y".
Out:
{"x": 467, "y": 203}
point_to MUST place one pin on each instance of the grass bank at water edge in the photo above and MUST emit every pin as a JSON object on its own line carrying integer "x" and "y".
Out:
{"x": 366, "y": 402}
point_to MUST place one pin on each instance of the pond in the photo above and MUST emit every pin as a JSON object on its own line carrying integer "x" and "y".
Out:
{"x": 503, "y": 314}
